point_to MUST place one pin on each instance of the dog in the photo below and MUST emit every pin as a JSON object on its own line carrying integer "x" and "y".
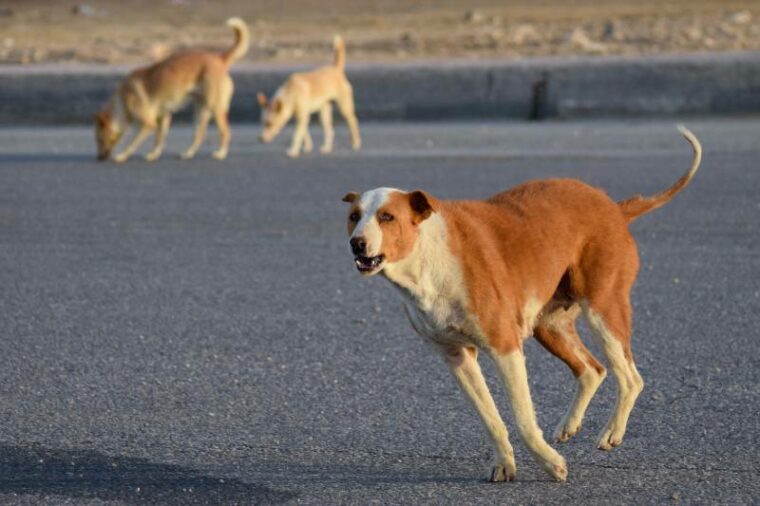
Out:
{"x": 149, "y": 96}
{"x": 304, "y": 93}
{"x": 486, "y": 275}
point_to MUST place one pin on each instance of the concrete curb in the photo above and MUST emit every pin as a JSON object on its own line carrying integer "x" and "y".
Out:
{"x": 704, "y": 84}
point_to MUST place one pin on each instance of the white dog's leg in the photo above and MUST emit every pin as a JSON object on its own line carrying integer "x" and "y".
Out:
{"x": 302, "y": 125}
{"x": 325, "y": 116}
{"x": 515, "y": 376}
{"x": 163, "y": 128}
{"x": 464, "y": 366}
{"x": 139, "y": 138}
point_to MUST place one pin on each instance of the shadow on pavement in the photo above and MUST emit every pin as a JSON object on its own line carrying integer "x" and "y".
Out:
{"x": 91, "y": 474}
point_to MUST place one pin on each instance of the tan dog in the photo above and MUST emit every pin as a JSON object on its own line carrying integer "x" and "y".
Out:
{"x": 308, "y": 92}
{"x": 149, "y": 96}
{"x": 489, "y": 274}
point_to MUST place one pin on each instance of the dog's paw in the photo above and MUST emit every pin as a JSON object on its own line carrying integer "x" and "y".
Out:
{"x": 325, "y": 149}
{"x": 609, "y": 439}
{"x": 503, "y": 472}
{"x": 356, "y": 146}
{"x": 187, "y": 155}
{"x": 293, "y": 153}
{"x": 565, "y": 430}
{"x": 152, "y": 156}
{"x": 219, "y": 154}
{"x": 121, "y": 158}
{"x": 555, "y": 465}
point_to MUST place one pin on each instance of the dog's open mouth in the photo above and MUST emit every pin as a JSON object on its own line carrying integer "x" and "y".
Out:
{"x": 368, "y": 264}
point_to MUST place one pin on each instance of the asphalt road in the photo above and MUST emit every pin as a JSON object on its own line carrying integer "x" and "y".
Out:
{"x": 195, "y": 332}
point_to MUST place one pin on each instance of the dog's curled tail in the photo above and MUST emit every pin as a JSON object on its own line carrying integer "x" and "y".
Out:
{"x": 339, "y": 46}
{"x": 242, "y": 41}
{"x": 638, "y": 204}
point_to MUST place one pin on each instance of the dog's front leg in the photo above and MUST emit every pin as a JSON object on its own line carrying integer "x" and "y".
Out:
{"x": 163, "y": 128}
{"x": 140, "y": 137}
{"x": 464, "y": 366}
{"x": 302, "y": 124}
{"x": 512, "y": 368}
{"x": 325, "y": 116}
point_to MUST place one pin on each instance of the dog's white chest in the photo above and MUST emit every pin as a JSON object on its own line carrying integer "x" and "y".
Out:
{"x": 444, "y": 322}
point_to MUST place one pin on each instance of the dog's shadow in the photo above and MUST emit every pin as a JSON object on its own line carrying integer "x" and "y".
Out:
{"x": 87, "y": 474}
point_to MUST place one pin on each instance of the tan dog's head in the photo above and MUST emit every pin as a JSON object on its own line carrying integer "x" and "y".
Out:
{"x": 107, "y": 134}
{"x": 384, "y": 225}
{"x": 274, "y": 116}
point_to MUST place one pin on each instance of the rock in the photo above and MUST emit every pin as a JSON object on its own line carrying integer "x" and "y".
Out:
{"x": 83, "y": 10}
{"x": 741, "y": 17}
{"x": 580, "y": 39}
{"x": 474, "y": 16}
{"x": 526, "y": 34}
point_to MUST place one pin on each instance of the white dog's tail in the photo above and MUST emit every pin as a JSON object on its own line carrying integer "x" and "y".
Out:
{"x": 242, "y": 41}
{"x": 638, "y": 204}
{"x": 339, "y": 46}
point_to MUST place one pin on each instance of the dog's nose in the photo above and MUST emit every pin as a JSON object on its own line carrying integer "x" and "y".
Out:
{"x": 358, "y": 245}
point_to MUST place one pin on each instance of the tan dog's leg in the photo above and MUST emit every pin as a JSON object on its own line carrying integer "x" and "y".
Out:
{"x": 611, "y": 324}
{"x": 163, "y": 127}
{"x": 346, "y": 105}
{"x": 302, "y": 125}
{"x": 464, "y": 366}
{"x": 515, "y": 376}
{"x": 220, "y": 116}
{"x": 139, "y": 138}
{"x": 325, "y": 116}
{"x": 203, "y": 115}
{"x": 556, "y": 332}
{"x": 308, "y": 143}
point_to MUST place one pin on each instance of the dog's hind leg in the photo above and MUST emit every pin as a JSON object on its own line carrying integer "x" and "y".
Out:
{"x": 202, "y": 117}
{"x": 325, "y": 116}
{"x": 345, "y": 102}
{"x": 556, "y": 332}
{"x": 464, "y": 366}
{"x": 611, "y": 323}
{"x": 607, "y": 307}
{"x": 139, "y": 138}
{"x": 221, "y": 110}
{"x": 163, "y": 127}
{"x": 512, "y": 368}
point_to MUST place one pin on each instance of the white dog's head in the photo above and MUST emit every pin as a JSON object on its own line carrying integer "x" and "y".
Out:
{"x": 274, "y": 115}
{"x": 383, "y": 225}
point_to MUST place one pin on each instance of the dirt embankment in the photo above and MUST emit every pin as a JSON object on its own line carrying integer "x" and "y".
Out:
{"x": 299, "y": 31}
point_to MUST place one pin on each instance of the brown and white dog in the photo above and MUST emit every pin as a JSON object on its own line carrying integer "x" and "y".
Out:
{"x": 489, "y": 274}
{"x": 149, "y": 96}
{"x": 305, "y": 93}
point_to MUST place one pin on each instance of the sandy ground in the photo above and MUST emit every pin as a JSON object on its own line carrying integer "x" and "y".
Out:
{"x": 296, "y": 31}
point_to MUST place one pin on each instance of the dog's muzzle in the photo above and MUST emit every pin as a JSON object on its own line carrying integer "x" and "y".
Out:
{"x": 365, "y": 264}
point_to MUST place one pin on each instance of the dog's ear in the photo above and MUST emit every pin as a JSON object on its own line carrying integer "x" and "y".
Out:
{"x": 350, "y": 197}
{"x": 422, "y": 204}
{"x": 101, "y": 118}
{"x": 262, "y": 99}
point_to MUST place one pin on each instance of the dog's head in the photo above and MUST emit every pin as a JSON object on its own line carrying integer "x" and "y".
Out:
{"x": 107, "y": 133}
{"x": 384, "y": 225}
{"x": 273, "y": 116}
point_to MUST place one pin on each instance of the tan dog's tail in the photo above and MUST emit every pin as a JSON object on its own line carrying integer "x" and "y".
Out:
{"x": 339, "y": 46}
{"x": 638, "y": 204}
{"x": 242, "y": 40}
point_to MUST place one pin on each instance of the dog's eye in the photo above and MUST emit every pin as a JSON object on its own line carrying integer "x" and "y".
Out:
{"x": 354, "y": 217}
{"x": 385, "y": 218}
